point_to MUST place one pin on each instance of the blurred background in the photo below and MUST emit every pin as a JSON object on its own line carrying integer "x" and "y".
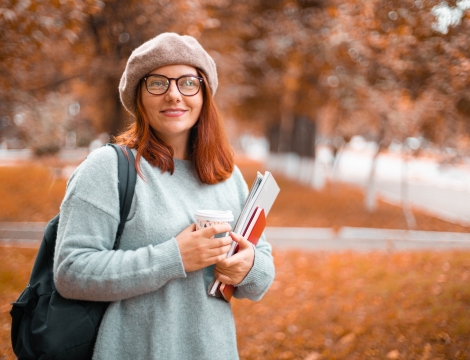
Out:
{"x": 360, "y": 108}
{"x": 374, "y": 93}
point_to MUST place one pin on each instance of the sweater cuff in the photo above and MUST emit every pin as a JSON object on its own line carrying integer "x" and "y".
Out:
{"x": 257, "y": 274}
{"x": 176, "y": 266}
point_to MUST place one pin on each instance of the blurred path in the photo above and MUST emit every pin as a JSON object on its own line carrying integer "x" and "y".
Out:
{"x": 14, "y": 157}
{"x": 21, "y": 234}
{"x": 440, "y": 191}
{"x": 446, "y": 203}
{"x": 365, "y": 239}
{"x": 347, "y": 238}
{"x": 443, "y": 191}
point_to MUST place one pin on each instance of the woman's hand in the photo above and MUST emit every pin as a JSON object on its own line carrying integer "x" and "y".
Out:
{"x": 233, "y": 270}
{"x": 198, "y": 249}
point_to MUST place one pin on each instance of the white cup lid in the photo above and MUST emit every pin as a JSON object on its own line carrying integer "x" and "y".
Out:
{"x": 215, "y": 215}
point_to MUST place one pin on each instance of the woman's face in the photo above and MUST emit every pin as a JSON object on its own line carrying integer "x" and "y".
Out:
{"x": 172, "y": 114}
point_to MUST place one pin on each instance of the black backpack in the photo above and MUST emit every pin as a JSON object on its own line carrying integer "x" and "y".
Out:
{"x": 44, "y": 324}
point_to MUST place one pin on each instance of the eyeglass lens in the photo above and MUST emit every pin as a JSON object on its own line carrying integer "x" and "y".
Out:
{"x": 187, "y": 85}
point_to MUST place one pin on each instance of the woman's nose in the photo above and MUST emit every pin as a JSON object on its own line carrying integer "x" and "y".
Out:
{"x": 173, "y": 92}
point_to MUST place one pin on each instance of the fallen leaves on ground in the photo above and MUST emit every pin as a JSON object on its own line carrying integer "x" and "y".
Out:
{"x": 30, "y": 192}
{"x": 359, "y": 306}
{"x": 33, "y": 192}
{"x": 321, "y": 305}
{"x": 330, "y": 306}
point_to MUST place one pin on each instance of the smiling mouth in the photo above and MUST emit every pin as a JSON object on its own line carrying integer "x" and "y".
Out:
{"x": 173, "y": 112}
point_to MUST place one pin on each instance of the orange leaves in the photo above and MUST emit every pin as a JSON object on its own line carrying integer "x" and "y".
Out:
{"x": 30, "y": 193}
{"x": 14, "y": 275}
{"x": 465, "y": 275}
{"x": 321, "y": 305}
{"x": 333, "y": 11}
{"x": 393, "y": 355}
{"x": 392, "y": 315}
{"x": 442, "y": 337}
{"x": 348, "y": 338}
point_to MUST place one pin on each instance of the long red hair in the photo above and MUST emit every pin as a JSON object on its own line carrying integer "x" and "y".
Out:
{"x": 209, "y": 149}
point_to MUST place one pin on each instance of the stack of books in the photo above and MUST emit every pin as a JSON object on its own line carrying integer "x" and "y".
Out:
{"x": 250, "y": 223}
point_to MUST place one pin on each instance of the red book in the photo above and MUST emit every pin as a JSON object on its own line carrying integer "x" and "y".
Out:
{"x": 252, "y": 234}
{"x": 250, "y": 223}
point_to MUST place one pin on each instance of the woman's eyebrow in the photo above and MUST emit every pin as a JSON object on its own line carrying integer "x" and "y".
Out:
{"x": 175, "y": 78}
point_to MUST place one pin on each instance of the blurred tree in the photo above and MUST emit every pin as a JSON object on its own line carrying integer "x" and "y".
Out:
{"x": 45, "y": 124}
{"x": 383, "y": 70}
{"x": 369, "y": 67}
{"x": 81, "y": 48}
{"x": 378, "y": 69}
{"x": 36, "y": 41}
{"x": 274, "y": 44}
{"x": 113, "y": 33}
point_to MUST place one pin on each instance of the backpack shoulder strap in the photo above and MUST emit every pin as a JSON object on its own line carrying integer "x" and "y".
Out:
{"x": 127, "y": 177}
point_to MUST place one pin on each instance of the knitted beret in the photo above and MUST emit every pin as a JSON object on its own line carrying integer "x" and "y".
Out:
{"x": 164, "y": 49}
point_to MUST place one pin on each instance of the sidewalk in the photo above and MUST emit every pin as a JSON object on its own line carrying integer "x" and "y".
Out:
{"x": 13, "y": 157}
{"x": 364, "y": 239}
{"x": 440, "y": 191}
{"x": 347, "y": 238}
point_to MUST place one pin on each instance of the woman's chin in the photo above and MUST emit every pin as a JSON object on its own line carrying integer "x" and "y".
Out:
{"x": 173, "y": 132}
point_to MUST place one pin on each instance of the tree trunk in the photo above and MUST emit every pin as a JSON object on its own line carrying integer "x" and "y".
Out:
{"x": 114, "y": 116}
{"x": 287, "y": 123}
{"x": 287, "y": 103}
{"x": 336, "y": 160}
{"x": 118, "y": 122}
{"x": 371, "y": 191}
{"x": 405, "y": 197}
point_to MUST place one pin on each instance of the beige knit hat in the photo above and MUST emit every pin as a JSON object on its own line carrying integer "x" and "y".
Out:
{"x": 164, "y": 49}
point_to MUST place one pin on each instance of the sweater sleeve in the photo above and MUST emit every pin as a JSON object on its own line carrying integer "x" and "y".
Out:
{"x": 260, "y": 277}
{"x": 85, "y": 267}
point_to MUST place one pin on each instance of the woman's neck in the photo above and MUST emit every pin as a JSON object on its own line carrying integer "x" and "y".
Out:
{"x": 181, "y": 154}
{"x": 180, "y": 146}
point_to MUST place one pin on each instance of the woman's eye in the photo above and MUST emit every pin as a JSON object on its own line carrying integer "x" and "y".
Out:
{"x": 157, "y": 84}
{"x": 188, "y": 83}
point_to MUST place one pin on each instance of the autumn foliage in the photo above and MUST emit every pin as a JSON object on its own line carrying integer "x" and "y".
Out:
{"x": 34, "y": 193}
{"x": 331, "y": 306}
{"x": 360, "y": 306}
{"x": 30, "y": 192}
{"x": 321, "y": 305}
{"x": 386, "y": 70}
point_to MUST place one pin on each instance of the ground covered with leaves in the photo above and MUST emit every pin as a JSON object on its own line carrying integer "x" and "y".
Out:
{"x": 377, "y": 305}
{"x": 34, "y": 193}
{"x": 331, "y": 306}
{"x": 360, "y": 306}
{"x": 30, "y": 192}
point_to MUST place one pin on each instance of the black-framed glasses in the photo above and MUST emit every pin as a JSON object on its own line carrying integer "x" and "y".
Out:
{"x": 188, "y": 85}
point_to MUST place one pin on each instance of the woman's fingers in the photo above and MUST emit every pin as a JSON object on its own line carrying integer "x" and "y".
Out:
{"x": 233, "y": 270}
{"x": 223, "y": 278}
{"x": 215, "y": 229}
{"x": 198, "y": 249}
{"x": 220, "y": 242}
{"x": 242, "y": 242}
{"x": 217, "y": 258}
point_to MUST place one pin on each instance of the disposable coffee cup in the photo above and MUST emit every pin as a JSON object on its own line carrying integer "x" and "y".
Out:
{"x": 206, "y": 218}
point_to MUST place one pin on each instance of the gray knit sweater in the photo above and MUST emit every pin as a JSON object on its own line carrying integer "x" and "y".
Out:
{"x": 157, "y": 310}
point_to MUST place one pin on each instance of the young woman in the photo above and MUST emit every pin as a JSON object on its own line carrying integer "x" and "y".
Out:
{"x": 158, "y": 278}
